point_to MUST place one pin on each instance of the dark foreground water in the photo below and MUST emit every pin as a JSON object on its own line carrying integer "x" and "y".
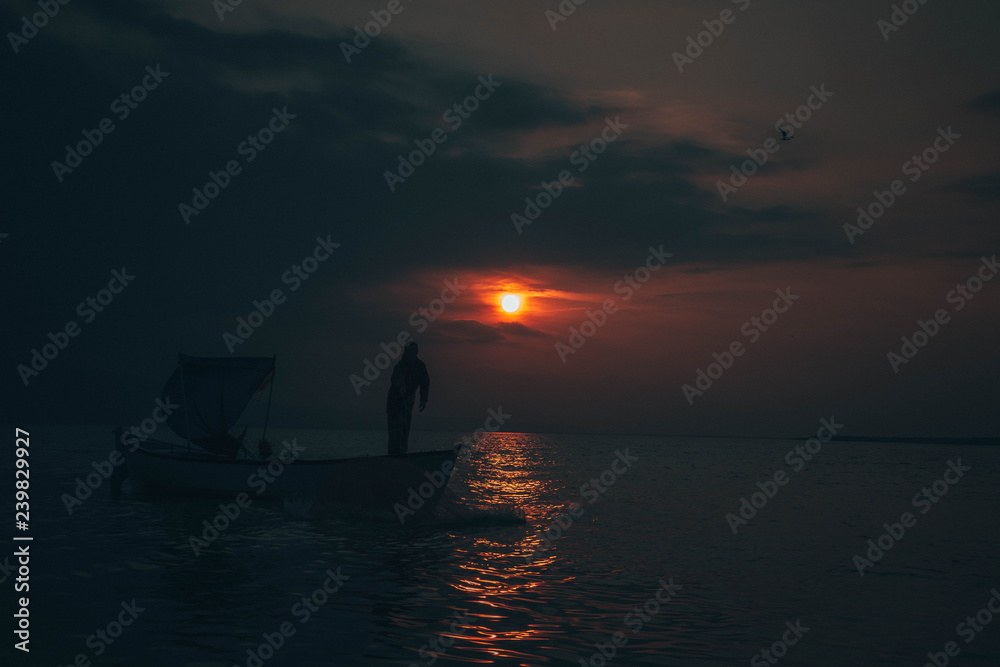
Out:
{"x": 472, "y": 592}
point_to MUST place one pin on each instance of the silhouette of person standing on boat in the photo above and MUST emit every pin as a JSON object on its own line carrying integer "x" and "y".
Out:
{"x": 409, "y": 375}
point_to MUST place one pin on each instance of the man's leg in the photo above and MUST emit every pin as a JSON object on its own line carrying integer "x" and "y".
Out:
{"x": 395, "y": 434}
{"x": 407, "y": 418}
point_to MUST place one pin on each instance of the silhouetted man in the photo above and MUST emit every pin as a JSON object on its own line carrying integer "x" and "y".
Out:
{"x": 409, "y": 375}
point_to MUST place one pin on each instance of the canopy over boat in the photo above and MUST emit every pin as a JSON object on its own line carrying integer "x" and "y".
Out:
{"x": 213, "y": 392}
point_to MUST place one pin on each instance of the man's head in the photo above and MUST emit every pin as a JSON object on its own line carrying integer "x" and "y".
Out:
{"x": 411, "y": 349}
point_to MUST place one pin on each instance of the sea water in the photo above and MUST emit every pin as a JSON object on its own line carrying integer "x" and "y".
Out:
{"x": 633, "y": 551}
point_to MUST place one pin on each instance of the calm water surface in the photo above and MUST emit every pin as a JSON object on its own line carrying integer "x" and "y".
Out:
{"x": 471, "y": 586}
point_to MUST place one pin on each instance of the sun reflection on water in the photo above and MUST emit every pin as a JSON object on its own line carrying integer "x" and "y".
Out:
{"x": 500, "y": 585}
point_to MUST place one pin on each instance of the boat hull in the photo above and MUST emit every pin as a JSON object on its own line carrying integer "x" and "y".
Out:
{"x": 373, "y": 482}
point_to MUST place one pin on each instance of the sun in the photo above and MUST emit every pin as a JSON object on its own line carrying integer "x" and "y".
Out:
{"x": 511, "y": 303}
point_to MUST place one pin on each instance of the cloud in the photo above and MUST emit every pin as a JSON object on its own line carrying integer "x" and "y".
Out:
{"x": 518, "y": 329}
{"x": 354, "y": 120}
{"x": 479, "y": 333}
{"x": 465, "y": 331}
{"x": 987, "y": 102}
{"x": 984, "y": 186}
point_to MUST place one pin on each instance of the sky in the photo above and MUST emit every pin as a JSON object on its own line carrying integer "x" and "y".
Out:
{"x": 649, "y": 243}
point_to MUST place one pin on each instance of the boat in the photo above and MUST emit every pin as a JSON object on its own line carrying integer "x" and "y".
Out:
{"x": 212, "y": 462}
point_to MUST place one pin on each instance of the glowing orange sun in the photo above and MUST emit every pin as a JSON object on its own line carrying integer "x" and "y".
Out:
{"x": 511, "y": 303}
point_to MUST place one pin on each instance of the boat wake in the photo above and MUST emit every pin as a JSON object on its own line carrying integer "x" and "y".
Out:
{"x": 454, "y": 514}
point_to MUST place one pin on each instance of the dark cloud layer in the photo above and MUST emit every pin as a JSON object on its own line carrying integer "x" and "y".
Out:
{"x": 988, "y": 102}
{"x": 985, "y": 186}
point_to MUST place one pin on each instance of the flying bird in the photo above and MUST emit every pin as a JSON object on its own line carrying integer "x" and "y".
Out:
{"x": 784, "y": 135}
